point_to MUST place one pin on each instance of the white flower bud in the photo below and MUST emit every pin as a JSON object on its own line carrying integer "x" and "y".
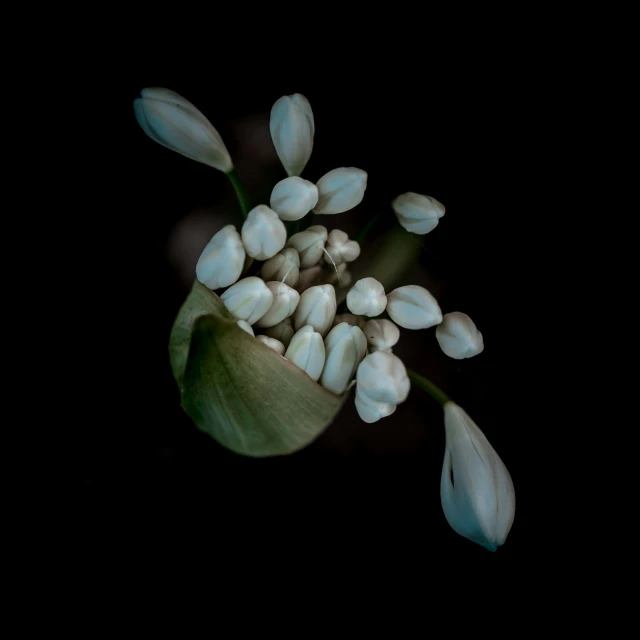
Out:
{"x": 383, "y": 378}
{"x": 345, "y": 346}
{"x": 175, "y": 123}
{"x": 370, "y": 410}
{"x": 292, "y": 198}
{"x": 309, "y": 244}
{"x": 340, "y": 190}
{"x": 306, "y": 351}
{"x": 248, "y": 299}
{"x": 339, "y": 277}
{"x": 381, "y": 334}
{"x": 272, "y": 343}
{"x": 350, "y": 318}
{"x": 309, "y": 278}
{"x": 367, "y": 298}
{"x": 284, "y": 267}
{"x": 285, "y": 301}
{"x": 416, "y": 213}
{"x": 476, "y": 490}
{"x": 317, "y": 307}
{"x": 458, "y": 336}
{"x": 222, "y": 260}
{"x": 263, "y": 233}
{"x": 413, "y": 307}
{"x": 292, "y": 128}
{"x": 283, "y": 332}
{"x": 340, "y": 248}
{"x": 245, "y": 326}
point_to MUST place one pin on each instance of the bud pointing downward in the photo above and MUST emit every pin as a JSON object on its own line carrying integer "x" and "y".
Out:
{"x": 370, "y": 410}
{"x": 263, "y": 233}
{"x": 307, "y": 352}
{"x": 221, "y": 261}
{"x": 340, "y": 190}
{"x": 413, "y": 307}
{"x": 248, "y": 299}
{"x": 383, "y": 378}
{"x": 416, "y": 213}
{"x": 345, "y": 346}
{"x": 458, "y": 336}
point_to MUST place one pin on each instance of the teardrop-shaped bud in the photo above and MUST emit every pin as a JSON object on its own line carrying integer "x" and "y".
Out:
{"x": 317, "y": 307}
{"x": 284, "y": 267}
{"x": 340, "y": 190}
{"x": 367, "y": 298}
{"x": 309, "y": 244}
{"x": 292, "y": 198}
{"x": 458, "y": 336}
{"x": 222, "y": 260}
{"x": 263, "y": 233}
{"x": 381, "y": 334}
{"x": 272, "y": 343}
{"x": 383, "y": 377}
{"x": 285, "y": 301}
{"x": 345, "y": 346}
{"x": 413, "y": 307}
{"x": 417, "y": 213}
{"x": 292, "y": 128}
{"x": 283, "y": 332}
{"x": 248, "y": 299}
{"x": 306, "y": 351}
{"x": 371, "y": 410}
{"x": 340, "y": 248}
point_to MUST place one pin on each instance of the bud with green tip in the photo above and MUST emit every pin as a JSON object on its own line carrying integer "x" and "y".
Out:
{"x": 222, "y": 260}
{"x": 306, "y": 351}
{"x": 340, "y": 190}
{"x": 317, "y": 307}
{"x": 293, "y": 197}
{"x": 367, "y": 298}
{"x": 284, "y": 267}
{"x": 458, "y": 336}
{"x": 309, "y": 244}
{"x": 417, "y": 213}
{"x": 285, "y": 301}
{"x": 292, "y": 128}
{"x": 345, "y": 346}
{"x": 172, "y": 121}
{"x": 413, "y": 307}
{"x": 263, "y": 233}
{"x": 248, "y": 299}
{"x": 383, "y": 378}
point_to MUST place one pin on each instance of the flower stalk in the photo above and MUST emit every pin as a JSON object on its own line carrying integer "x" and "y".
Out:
{"x": 426, "y": 385}
{"x": 241, "y": 194}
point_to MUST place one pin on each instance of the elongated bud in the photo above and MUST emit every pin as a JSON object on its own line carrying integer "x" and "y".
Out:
{"x": 175, "y": 123}
{"x": 292, "y": 198}
{"x": 350, "y": 318}
{"x": 458, "y": 336}
{"x": 317, "y": 307}
{"x": 284, "y": 267}
{"x": 263, "y": 233}
{"x": 292, "y": 129}
{"x": 476, "y": 490}
{"x": 381, "y": 334}
{"x": 306, "y": 351}
{"x": 309, "y": 244}
{"x": 416, "y": 213}
{"x": 383, "y": 378}
{"x": 285, "y": 301}
{"x": 367, "y": 298}
{"x": 222, "y": 260}
{"x": 283, "y": 332}
{"x": 340, "y": 248}
{"x": 340, "y": 190}
{"x": 248, "y": 299}
{"x": 345, "y": 346}
{"x": 413, "y": 307}
{"x": 370, "y": 410}
{"x": 245, "y": 326}
{"x": 272, "y": 343}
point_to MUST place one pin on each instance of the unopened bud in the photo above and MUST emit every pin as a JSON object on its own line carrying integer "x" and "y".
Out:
{"x": 272, "y": 343}
{"x": 263, "y": 233}
{"x": 285, "y": 301}
{"x": 284, "y": 267}
{"x": 248, "y": 299}
{"x": 340, "y": 248}
{"x": 292, "y": 198}
{"x": 306, "y": 351}
{"x": 345, "y": 346}
{"x": 309, "y": 244}
{"x": 381, "y": 334}
{"x": 416, "y": 213}
{"x": 317, "y": 307}
{"x": 222, "y": 260}
{"x": 458, "y": 336}
{"x": 413, "y": 307}
{"x": 340, "y": 190}
{"x": 371, "y": 410}
{"x": 367, "y": 298}
{"x": 383, "y": 378}
{"x": 283, "y": 332}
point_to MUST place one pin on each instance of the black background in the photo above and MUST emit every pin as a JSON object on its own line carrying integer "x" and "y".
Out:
{"x": 148, "y": 481}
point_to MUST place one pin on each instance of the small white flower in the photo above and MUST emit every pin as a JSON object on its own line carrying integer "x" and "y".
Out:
{"x": 292, "y": 198}
{"x": 371, "y": 410}
{"x": 367, "y": 298}
{"x": 283, "y": 332}
{"x": 345, "y": 346}
{"x": 245, "y": 326}
{"x": 170, "y": 120}
{"x": 284, "y": 267}
{"x": 248, "y": 299}
{"x": 340, "y": 248}
{"x": 292, "y": 128}
{"x": 383, "y": 378}
{"x": 222, "y": 260}
{"x": 458, "y": 336}
{"x": 272, "y": 343}
{"x": 381, "y": 334}
{"x": 413, "y": 307}
{"x": 263, "y": 233}
{"x": 317, "y": 307}
{"x": 306, "y": 351}
{"x": 478, "y": 498}
{"x": 416, "y": 213}
{"x": 340, "y": 190}
{"x": 309, "y": 244}
{"x": 285, "y": 301}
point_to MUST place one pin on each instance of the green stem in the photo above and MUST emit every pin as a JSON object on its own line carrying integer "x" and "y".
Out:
{"x": 363, "y": 232}
{"x": 243, "y": 199}
{"x": 428, "y": 386}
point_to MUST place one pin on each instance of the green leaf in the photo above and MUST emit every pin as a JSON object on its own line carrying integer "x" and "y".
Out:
{"x": 243, "y": 394}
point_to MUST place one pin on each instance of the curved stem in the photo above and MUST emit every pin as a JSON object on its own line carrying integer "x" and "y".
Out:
{"x": 428, "y": 386}
{"x": 243, "y": 199}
